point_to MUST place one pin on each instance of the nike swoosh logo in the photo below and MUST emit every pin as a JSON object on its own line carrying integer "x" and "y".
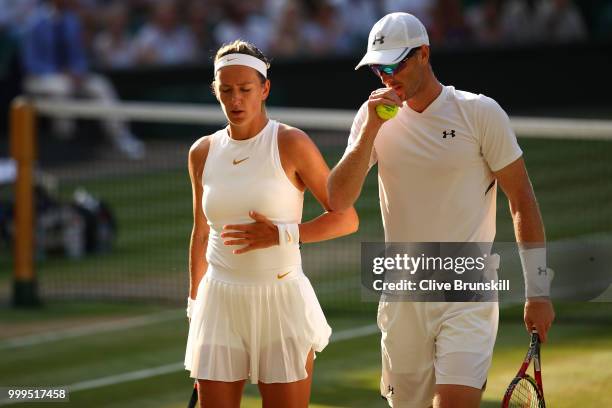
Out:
{"x": 282, "y": 275}
{"x": 235, "y": 162}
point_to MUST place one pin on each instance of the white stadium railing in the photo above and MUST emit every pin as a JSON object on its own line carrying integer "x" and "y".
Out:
{"x": 308, "y": 118}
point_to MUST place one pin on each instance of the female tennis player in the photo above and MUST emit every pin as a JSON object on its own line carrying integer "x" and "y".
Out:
{"x": 254, "y": 314}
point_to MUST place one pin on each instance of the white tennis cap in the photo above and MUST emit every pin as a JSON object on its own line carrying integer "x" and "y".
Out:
{"x": 392, "y": 38}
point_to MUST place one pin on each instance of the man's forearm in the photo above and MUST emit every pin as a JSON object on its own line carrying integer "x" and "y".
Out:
{"x": 527, "y": 220}
{"x": 529, "y": 229}
{"x": 329, "y": 225}
{"x": 530, "y": 236}
{"x": 347, "y": 177}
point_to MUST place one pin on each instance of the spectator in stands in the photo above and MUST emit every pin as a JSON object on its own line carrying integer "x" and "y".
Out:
{"x": 366, "y": 12}
{"x": 324, "y": 32}
{"x": 91, "y": 17}
{"x": 290, "y": 28}
{"x": 272, "y": 9}
{"x": 14, "y": 14}
{"x": 517, "y": 21}
{"x": 287, "y": 40}
{"x": 241, "y": 22}
{"x": 164, "y": 40}
{"x": 484, "y": 20}
{"x": 560, "y": 21}
{"x": 114, "y": 47}
{"x": 495, "y": 22}
{"x": 55, "y": 65}
{"x": 421, "y": 9}
{"x": 199, "y": 24}
{"x": 448, "y": 24}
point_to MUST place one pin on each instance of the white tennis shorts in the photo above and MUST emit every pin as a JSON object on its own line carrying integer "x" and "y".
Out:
{"x": 258, "y": 326}
{"x": 429, "y": 343}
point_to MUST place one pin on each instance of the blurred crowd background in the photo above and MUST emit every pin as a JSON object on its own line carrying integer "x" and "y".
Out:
{"x": 124, "y": 34}
{"x": 161, "y": 50}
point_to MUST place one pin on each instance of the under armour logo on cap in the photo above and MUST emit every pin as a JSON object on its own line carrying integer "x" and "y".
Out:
{"x": 402, "y": 33}
{"x": 379, "y": 39}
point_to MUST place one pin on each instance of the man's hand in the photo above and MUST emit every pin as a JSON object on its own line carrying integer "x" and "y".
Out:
{"x": 539, "y": 314}
{"x": 381, "y": 96}
{"x": 258, "y": 235}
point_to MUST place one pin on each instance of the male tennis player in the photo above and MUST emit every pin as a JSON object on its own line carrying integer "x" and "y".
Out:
{"x": 439, "y": 161}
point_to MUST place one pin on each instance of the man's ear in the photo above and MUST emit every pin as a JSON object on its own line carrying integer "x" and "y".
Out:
{"x": 424, "y": 54}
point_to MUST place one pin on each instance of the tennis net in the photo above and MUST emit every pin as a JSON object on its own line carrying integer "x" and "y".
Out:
{"x": 149, "y": 201}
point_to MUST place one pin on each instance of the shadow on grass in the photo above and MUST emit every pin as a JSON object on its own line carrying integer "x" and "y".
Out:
{"x": 348, "y": 396}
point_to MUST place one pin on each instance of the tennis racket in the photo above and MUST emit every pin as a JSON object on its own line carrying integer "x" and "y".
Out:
{"x": 193, "y": 402}
{"x": 525, "y": 391}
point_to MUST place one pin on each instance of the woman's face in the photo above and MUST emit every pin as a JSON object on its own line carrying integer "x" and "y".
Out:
{"x": 241, "y": 93}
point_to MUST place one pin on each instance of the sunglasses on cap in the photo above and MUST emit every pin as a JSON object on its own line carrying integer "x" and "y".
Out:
{"x": 392, "y": 69}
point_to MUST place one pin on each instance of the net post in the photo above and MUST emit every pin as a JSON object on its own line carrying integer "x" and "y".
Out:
{"x": 22, "y": 118}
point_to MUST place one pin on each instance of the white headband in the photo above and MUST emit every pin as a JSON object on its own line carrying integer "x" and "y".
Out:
{"x": 242, "y": 59}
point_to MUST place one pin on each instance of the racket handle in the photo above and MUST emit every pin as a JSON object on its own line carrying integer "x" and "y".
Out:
{"x": 193, "y": 402}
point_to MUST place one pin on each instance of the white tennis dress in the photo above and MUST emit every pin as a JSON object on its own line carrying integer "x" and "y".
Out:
{"x": 256, "y": 315}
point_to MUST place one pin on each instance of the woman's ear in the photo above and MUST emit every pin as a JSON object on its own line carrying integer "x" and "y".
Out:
{"x": 213, "y": 90}
{"x": 266, "y": 90}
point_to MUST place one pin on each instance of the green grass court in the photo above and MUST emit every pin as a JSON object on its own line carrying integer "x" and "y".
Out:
{"x": 572, "y": 183}
{"x": 577, "y": 364}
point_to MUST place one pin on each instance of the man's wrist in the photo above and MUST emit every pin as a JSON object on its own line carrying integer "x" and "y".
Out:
{"x": 370, "y": 131}
{"x": 536, "y": 275}
{"x": 536, "y": 299}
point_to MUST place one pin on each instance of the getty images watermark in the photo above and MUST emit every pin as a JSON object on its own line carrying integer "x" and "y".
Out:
{"x": 408, "y": 264}
{"x": 480, "y": 272}
{"x": 462, "y": 272}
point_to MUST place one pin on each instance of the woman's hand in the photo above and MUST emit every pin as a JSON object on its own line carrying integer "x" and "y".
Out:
{"x": 258, "y": 235}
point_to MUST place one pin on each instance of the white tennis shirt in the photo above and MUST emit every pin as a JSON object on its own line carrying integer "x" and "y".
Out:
{"x": 435, "y": 167}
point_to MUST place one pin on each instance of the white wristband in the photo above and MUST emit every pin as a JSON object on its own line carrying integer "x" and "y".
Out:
{"x": 537, "y": 275}
{"x": 288, "y": 234}
{"x": 190, "y": 303}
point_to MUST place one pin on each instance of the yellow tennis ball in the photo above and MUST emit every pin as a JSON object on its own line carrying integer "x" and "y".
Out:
{"x": 386, "y": 112}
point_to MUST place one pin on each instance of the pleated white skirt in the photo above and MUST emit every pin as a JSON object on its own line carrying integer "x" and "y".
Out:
{"x": 262, "y": 331}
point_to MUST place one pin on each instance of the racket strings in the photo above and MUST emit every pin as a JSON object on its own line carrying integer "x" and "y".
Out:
{"x": 524, "y": 395}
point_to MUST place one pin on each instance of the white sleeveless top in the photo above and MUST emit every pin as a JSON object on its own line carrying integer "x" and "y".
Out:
{"x": 247, "y": 175}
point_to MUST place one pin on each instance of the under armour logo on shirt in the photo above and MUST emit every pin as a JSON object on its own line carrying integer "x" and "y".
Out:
{"x": 379, "y": 39}
{"x": 450, "y": 133}
{"x": 542, "y": 271}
